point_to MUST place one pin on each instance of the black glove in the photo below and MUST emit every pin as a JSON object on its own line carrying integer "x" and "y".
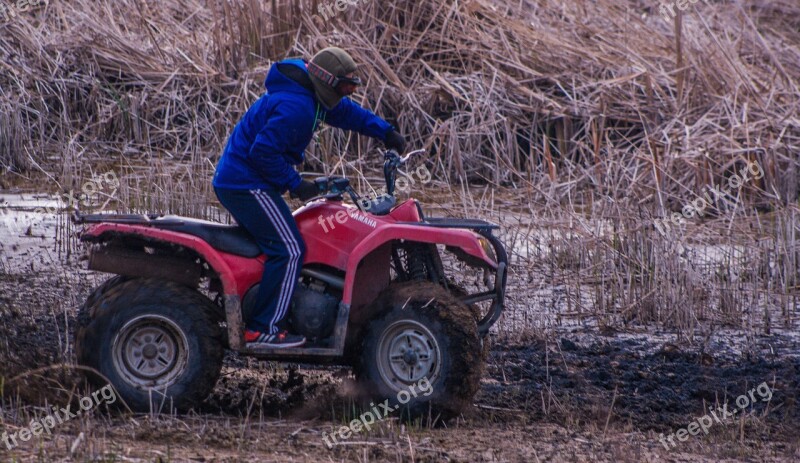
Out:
{"x": 395, "y": 141}
{"x": 392, "y": 157}
{"x": 305, "y": 191}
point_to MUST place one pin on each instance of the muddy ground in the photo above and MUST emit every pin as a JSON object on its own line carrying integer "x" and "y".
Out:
{"x": 569, "y": 394}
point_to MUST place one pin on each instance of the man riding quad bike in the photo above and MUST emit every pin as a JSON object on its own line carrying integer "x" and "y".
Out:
{"x": 256, "y": 169}
{"x": 371, "y": 292}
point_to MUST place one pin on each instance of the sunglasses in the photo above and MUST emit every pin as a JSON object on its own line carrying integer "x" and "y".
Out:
{"x": 346, "y": 80}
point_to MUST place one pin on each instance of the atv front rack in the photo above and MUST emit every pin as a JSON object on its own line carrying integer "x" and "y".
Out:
{"x": 447, "y": 222}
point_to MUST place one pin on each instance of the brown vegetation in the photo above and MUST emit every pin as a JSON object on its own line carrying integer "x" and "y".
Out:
{"x": 575, "y": 124}
{"x": 584, "y": 96}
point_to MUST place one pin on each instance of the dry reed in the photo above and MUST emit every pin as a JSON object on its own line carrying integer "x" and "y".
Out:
{"x": 597, "y": 114}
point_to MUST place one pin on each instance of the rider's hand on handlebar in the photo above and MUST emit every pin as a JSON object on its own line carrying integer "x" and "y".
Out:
{"x": 392, "y": 158}
{"x": 395, "y": 141}
{"x": 305, "y": 191}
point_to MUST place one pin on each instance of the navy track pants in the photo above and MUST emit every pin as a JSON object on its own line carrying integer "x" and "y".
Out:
{"x": 266, "y": 216}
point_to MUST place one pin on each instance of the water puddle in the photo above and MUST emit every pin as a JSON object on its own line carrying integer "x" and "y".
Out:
{"x": 34, "y": 231}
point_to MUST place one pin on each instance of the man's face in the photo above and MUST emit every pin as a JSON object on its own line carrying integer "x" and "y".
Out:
{"x": 347, "y": 88}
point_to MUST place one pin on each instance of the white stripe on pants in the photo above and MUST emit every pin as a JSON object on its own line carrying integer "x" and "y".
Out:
{"x": 289, "y": 281}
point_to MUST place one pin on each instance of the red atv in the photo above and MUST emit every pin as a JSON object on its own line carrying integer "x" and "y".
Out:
{"x": 374, "y": 295}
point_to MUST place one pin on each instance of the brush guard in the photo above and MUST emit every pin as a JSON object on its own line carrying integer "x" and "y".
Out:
{"x": 498, "y": 294}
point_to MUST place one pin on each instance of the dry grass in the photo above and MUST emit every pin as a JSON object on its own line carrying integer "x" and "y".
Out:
{"x": 587, "y": 96}
{"x": 607, "y": 268}
{"x": 573, "y": 124}
{"x": 599, "y": 116}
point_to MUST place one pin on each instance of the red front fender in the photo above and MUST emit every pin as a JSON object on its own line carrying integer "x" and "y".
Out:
{"x": 464, "y": 239}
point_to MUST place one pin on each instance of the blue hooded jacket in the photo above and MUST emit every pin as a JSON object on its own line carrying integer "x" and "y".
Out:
{"x": 274, "y": 132}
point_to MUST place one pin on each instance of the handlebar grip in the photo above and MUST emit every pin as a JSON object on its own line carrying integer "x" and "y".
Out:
{"x": 322, "y": 184}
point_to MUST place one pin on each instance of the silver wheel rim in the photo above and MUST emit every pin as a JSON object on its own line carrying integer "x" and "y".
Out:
{"x": 150, "y": 351}
{"x": 407, "y": 353}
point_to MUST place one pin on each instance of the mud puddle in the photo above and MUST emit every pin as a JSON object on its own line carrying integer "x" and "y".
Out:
{"x": 641, "y": 384}
{"x": 28, "y": 231}
{"x": 567, "y": 384}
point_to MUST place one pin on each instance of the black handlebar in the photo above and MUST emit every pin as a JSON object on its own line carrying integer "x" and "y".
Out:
{"x": 390, "y": 164}
{"x": 335, "y": 187}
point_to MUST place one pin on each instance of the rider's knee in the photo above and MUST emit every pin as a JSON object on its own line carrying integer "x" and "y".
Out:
{"x": 302, "y": 249}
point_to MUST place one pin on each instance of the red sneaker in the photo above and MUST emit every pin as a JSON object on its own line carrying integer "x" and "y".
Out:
{"x": 278, "y": 340}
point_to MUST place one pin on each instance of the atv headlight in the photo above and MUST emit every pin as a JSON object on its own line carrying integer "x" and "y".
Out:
{"x": 488, "y": 249}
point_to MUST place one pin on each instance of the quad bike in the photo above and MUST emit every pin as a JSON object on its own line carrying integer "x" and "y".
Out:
{"x": 374, "y": 295}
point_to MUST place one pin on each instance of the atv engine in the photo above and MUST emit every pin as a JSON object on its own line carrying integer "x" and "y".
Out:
{"x": 312, "y": 312}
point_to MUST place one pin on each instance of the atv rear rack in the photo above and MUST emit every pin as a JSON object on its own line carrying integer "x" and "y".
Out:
{"x": 131, "y": 219}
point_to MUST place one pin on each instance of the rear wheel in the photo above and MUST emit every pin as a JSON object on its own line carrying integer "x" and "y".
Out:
{"x": 158, "y": 343}
{"x": 423, "y": 354}
{"x": 98, "y": 292}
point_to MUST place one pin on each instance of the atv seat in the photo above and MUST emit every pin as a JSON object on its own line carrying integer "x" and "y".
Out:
{"x": 232, "y": 239}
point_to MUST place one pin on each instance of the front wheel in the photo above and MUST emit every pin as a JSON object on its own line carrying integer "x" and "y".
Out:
{"x": 158, "y": 343}
{"x": 424, "y": 353}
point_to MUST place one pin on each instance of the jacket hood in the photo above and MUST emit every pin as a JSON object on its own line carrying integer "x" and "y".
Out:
{"x": 277, "y": 81}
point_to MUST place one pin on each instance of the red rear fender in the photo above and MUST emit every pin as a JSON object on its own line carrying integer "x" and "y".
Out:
{"x": 237, "y": 273}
